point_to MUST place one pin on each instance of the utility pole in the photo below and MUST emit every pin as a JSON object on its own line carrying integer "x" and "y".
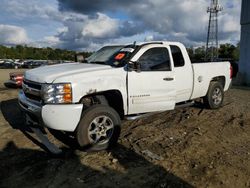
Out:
{"x": 212, "y": 35}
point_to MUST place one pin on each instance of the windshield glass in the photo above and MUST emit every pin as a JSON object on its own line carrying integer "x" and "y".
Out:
{"x": 115, "y": 56}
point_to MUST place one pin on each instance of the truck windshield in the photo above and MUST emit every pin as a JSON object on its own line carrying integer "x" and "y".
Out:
{"x": 115, "y": 56}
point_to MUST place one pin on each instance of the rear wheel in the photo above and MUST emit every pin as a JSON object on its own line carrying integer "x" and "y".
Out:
{"x": 99, "y": 128}
{"x": 215, "y": 96}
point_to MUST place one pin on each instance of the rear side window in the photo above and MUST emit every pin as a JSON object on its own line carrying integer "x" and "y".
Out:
{"x": 177, "y": 56}
{"x": 155, "y": 59}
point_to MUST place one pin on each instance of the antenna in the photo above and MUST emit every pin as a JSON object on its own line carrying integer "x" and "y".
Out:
{"x": 212, "y": 35}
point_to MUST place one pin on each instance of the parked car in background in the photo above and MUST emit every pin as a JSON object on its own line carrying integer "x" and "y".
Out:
{"x": 34, "y": 63}
{"x": 8, "y": 64}
{"x": 29, "y": 64}
{"x": 18, "y": 63}
{"x": 15, "y": 81}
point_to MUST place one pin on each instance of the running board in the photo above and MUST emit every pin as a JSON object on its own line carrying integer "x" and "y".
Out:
{"x": 139, "y": 116}
{"x": 184, "y": 105}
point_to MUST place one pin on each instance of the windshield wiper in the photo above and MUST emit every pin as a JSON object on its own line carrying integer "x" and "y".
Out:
{"x": 98, "y": 62}
{"x": 85, "y": 61}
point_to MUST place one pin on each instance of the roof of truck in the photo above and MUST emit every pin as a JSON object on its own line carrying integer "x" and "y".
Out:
{"x": 159, "y": 42}
{"x": 146, "y": 43}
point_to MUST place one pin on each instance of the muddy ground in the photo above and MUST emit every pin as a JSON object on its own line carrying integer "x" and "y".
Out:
{"x": 190, "y": 147}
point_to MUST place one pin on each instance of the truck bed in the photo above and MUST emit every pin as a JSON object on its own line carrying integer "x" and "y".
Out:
{"x": 205, "y": 72}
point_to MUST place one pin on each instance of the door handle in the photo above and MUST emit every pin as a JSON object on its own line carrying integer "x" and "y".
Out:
{"x": 168, "y": 79}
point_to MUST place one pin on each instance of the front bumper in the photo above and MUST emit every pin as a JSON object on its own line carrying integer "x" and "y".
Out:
{"x": 11, "y": 83}
{"x": 64, "y": 117}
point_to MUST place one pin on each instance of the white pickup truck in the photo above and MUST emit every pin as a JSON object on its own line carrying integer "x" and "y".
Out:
{"x": 117, "y": 82}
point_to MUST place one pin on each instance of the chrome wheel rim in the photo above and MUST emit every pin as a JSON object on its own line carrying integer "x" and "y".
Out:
{"x": 217, "y": 96}
{"x": 100, "y": 130}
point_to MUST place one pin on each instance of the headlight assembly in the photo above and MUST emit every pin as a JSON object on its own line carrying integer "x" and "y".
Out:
{"x": 57, "y": 93}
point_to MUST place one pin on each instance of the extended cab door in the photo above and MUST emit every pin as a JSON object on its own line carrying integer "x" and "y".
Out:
{"x": 152, "y": 88}
{"x": 183, "y": 73}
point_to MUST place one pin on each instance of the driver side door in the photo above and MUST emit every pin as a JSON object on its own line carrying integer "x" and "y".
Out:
{"x": 152, "y": 88}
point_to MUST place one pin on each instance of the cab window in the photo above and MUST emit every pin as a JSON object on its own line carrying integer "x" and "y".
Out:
{"x": 177, "y": 56}
{"x": 155, "y": 59}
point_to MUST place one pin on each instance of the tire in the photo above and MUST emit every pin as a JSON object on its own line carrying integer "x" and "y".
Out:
{"x": 215, "y": 96}
{"x": 99, "y": 128}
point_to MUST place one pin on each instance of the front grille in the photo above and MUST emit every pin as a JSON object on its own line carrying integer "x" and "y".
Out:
{"x": 24, "y": 105}
{"x": 33, "y": 84}
{"x": 33, "y": 97}
{"x": 32, "y": 90}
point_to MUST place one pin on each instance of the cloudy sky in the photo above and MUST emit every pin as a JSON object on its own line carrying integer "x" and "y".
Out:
{"x": 87, "y": 25}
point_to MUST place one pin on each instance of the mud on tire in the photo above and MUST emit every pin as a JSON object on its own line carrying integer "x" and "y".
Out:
{"x": 99, "y": 128}
{"x": 215, "y": 96}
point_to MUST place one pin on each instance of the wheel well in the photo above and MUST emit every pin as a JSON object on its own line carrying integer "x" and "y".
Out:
{"x": 220, "y": 79}
{"x": 113, "y": 97}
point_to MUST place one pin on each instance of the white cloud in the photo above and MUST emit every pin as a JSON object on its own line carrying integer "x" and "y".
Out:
{"x": 22, "y": 9}
{"x": 149, "y": 38}
{"x": 52, "y": 40}
{"x": 12, "y": 35}
{"x": 101, "y": 27}
{"x": 62, "y": 29}
{"x": 85, "y": 25}
{"x": 230, "y": 24}
{"x": 180, "y": 20}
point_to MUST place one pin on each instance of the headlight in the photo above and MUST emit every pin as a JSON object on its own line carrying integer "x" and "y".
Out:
{"x": 57, "y": 93}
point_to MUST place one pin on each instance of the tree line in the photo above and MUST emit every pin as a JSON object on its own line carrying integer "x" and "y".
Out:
{"x": 226, "y": 51}
{"x": 25, "y": 52}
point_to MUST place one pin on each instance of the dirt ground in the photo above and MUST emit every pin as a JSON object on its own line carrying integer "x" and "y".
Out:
{"x": 190, "y": 147}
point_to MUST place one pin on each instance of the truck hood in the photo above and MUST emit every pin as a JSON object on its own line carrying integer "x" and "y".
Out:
{"x": 48, "y": 74}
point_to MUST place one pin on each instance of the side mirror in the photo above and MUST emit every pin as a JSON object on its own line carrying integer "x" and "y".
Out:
{"x": 134, "y": 66}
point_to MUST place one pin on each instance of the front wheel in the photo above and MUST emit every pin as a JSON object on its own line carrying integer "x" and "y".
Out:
{"x": 215, "y": 96}
{"x": 99, "y": 128}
